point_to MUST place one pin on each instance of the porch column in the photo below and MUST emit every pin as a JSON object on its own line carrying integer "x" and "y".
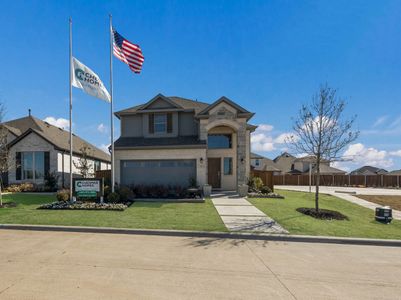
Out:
{"x": 241, "y": 155}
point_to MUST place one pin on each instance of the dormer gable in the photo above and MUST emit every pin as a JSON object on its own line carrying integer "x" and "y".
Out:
{"x": 225, "y": 107}
{"x": 160, "y": 102}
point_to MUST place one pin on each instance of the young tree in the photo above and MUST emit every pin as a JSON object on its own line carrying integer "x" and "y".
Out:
{"x": 321, "y": 132}
{"x": 84, "y": 165}
{"x": 5, "y": 160}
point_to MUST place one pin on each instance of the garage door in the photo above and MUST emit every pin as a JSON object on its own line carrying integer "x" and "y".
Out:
{"x": 164, "y": 172}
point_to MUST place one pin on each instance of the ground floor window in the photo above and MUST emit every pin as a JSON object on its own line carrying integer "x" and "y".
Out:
{"x": 228, "y": 166}
{"x": 33, "y": 165}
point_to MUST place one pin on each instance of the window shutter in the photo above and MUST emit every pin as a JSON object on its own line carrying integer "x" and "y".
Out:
{"x": 47, "y": 162}
{"x": 169, "y": 122}
{"x": 18, "y": 168}
{"x": 151, "y": 123}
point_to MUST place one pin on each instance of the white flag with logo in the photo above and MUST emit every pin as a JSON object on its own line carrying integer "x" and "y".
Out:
{"x": 84, "y": 78}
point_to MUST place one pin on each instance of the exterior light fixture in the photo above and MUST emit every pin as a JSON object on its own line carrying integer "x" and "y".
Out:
{"x": 201, "y": 160}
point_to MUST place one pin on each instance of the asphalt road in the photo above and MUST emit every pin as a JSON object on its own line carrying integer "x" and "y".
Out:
{"x": 60, "y": 265}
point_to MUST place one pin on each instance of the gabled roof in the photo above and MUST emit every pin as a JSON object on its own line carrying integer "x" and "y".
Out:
{"x": 267, "y": 164}
{"x": 178, "y": 102}
{"x": 241, "y": 111}
{"x": 309, "y": 159}
{"x": 256, "y": 156}
{"x": 395, "y": 172}
{"x": 326, "y": 169}
{"x": 54, "y": 135}
{"x": 368, "y": 170}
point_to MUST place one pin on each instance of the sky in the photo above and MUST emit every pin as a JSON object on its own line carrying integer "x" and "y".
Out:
{"x": 268, "y": 56}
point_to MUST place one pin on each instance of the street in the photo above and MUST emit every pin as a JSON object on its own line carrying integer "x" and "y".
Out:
{"x": 60, "y": 265}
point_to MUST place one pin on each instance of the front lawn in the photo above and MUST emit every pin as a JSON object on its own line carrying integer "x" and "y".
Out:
{"x": 151, "y": 215}
{"x": 361, "y": 220}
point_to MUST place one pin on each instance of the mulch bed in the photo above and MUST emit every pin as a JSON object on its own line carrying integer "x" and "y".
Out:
{"x": 8, "y": 204}
{"x": 322, "y": 214}
{"x": 260, "y": 195}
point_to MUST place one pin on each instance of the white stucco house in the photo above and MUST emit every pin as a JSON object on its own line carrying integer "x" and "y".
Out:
{"x": 37, "y": 147}
{"x": 172, "y": 140}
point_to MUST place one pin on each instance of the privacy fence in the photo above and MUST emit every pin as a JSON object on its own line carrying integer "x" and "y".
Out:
{"x": 340, "y": 180}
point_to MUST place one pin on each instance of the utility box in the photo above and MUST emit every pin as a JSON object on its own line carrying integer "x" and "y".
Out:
{"x": 384, "y": 214}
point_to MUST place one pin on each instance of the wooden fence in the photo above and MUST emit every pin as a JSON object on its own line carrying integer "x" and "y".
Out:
{"x": 340, "y": 180}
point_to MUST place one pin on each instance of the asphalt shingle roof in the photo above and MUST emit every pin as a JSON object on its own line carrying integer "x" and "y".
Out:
{"x": 138, "y": 142}
{"x": 55, "y": 135}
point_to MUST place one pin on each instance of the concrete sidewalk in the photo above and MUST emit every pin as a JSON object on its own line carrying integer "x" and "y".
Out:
{"x": 63, "y": 265}
{"x": 238, "y": 214}
{"x": 343, "y": 193}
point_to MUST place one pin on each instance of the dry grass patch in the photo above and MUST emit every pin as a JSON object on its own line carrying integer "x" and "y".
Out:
{"x": 392, "y": 201}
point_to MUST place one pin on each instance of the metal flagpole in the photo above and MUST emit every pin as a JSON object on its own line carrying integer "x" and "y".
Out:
{"x": 70, "y": 109}
{"x": 111, "y": 105}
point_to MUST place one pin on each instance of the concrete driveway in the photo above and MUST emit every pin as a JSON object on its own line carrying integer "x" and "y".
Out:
{"x": 333, "y": 189}
{"x": 58, "y": 265}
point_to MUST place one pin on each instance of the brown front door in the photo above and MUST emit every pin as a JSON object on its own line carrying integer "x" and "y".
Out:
{"x": 214, "y": 172}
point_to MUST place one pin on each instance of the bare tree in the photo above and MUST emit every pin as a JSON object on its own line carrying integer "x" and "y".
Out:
{"x": 5, "y": 159}
{"x": 321, "y": 132}
{"x": 84, "y": 165}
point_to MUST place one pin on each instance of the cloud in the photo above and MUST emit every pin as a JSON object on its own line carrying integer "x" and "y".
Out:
{"x": 60, "y": 122}
{"x": 265, "y": 127}
{"x": 379, "y": 121}
{"x": 102, "y": 128}
{"x": 396, "y": 153}
{"x": 105, "y": 148}
{"x": 396, "y": 122}
{"x": 284, "y": 137}
{"x": 359, "y": 154}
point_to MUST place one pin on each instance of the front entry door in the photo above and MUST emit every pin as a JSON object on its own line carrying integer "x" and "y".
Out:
{"x": 214, "y": 172}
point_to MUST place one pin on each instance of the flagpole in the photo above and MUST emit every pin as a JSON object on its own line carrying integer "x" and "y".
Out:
{"x": 111, "y": 105}
{"x": 70, "y": 109}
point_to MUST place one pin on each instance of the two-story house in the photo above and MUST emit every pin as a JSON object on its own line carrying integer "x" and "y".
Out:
{"x": 172, "y": 140}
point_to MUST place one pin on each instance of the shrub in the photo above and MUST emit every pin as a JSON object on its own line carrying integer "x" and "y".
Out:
{"x": 14, "y": 188}
{"x": 265, "y": 190}
{"x": 255, "y": 184}
{"x": 113, "y": 197}
{"x": 51, "y": 181}
{"x": 192, "y": 182}
{"x": 125, "y": 193}
{"x": 63, "y": 195}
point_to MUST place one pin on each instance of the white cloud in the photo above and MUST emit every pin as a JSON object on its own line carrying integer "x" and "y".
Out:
{"x": 360, "y": 155}
{"x": 396, "y": 153}
{"x": 60, "y": 122}
{"x": 284, "y": 137}
{"x": 380, "y": 120}
{"x": 261, "y": 142}
{"x": 105, "y": 148}
{"x": 265, "y": 127}
{"x": 102, "y": 128}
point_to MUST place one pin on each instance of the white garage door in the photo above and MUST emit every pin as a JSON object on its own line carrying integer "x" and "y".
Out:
{"x": 163, "y": 172}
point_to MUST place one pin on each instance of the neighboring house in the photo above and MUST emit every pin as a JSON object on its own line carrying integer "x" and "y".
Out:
{"x": 395, "y": 172}
{"x": 172, "y": 140}
{"x": 369, "y": 170}
{"x": 37, "y": 147}
{"x": 261, "y": 163}
{"x": 301, "y": 165}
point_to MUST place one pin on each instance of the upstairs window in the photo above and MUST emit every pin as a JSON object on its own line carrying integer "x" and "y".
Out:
{"x": 257, "y": 162}
{"x": 160, "y": 123}
{"x": 219, "y": 141}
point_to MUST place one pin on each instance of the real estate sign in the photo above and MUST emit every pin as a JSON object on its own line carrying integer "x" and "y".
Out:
{"x": 88, "y": 188}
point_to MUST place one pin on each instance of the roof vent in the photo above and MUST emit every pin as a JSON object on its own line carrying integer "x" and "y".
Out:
{"x": 29, "y": 112}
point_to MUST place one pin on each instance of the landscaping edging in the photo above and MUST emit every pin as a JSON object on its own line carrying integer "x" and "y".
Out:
{"x": 170, "y": 200}
{"x": 205, "y": 234}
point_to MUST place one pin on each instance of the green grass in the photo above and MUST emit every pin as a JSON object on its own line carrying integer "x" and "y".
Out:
{"x": 361, "y": 220}
{"x": 180, "y": 216}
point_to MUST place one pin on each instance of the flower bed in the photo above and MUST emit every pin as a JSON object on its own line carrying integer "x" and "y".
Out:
{"x": 84, "y": 206}
{"x": 262, "y": 195}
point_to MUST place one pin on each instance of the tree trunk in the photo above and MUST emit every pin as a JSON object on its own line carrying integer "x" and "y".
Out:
{"x": 317, "y": 185}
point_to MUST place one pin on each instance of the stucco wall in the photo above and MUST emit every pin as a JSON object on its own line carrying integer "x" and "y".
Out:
{"x": 164, "y": 154}
{"x": 187, "y": 124}
{"x": 131, "y": 126}
{"x": 145, "y": 127}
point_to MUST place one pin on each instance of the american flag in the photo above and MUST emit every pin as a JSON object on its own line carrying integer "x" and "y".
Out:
{"x": 127, "y": 52}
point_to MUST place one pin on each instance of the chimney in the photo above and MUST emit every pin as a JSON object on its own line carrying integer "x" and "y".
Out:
{"x": 29, "y": 112}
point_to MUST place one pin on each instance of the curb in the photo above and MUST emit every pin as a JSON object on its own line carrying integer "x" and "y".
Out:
{"x": 205, "y": 234}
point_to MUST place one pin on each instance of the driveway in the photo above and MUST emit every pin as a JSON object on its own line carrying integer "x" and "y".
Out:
{"x": 60, "y": 265}
{"x": 346, "y": 193}
{"x": 332, "y": 189}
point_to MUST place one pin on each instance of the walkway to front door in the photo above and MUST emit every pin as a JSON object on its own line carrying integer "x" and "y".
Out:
{"x": 240, "y": 215}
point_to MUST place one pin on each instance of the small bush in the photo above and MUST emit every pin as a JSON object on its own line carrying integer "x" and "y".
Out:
{"x": 22, "y": 187}
{"x": 113, "y": 197}
{"x": 63, "y": 195}
{"x": 125, "y": 193}
{"x": 255, "y": 184}
{"x": 51, "y": 181}
{"x": 265, "y": 190}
